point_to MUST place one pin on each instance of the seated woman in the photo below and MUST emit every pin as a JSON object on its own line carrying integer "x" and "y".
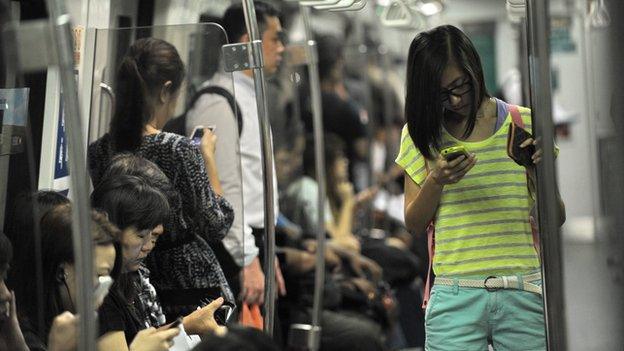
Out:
{"x": 185, "y": 270}
{"x": 300, "y": 204}
{"x": 59, "y": 276}
{"x": 11, "y": 337}
{"x": 139, "y": 210}
{"x": 199, "y": 321}
{"x": 22, "y": 218}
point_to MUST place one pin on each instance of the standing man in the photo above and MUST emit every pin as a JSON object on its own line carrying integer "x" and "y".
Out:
{"x": 251, "y": 289}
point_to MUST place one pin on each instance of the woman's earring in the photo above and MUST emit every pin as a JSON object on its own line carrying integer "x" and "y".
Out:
{"x": 61, "y": 275}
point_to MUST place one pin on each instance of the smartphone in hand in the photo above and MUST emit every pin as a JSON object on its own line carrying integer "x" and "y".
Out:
{"x": 515, "y": 138}
{"x": 223, "y": 313}
{"x": 453, "y": 152}
{"x": 176, "y": 323}
{"x": 197, "y": 135}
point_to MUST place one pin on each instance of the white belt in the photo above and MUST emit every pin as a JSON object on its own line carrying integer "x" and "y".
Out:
{"x": 494, "y": 283}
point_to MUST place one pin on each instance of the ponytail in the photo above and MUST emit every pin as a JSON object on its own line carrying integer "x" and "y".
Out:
{"x": 130, "y": 115}
{"x": 145, "y": 68}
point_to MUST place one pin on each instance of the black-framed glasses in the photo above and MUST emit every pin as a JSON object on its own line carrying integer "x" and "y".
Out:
{"x": 458, "y": 91}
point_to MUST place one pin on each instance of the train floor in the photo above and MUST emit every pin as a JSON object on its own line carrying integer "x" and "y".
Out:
{"x": 591, "y": 297}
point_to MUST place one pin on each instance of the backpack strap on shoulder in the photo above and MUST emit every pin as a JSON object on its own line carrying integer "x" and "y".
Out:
{"x": 515, "y": 115}
{"x": 431, "y": 251}
{"x": 215, "y": 89}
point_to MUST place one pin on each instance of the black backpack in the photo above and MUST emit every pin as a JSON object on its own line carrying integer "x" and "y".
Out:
{"x": 178, "y": 124}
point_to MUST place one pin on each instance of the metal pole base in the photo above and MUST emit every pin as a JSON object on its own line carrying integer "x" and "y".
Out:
{"x": 304, "y": 337}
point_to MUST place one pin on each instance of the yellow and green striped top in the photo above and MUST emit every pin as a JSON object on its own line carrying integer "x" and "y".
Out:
{"x": 482, "y": 223}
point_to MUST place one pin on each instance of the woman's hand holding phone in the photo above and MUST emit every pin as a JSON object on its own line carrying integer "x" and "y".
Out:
{"x": 450, "y": 172}
{"x": 202, "y": 320}
{"x": 208, "y": 143}
{"x": 537, "y": 155}
{"x": 152, "y": 339}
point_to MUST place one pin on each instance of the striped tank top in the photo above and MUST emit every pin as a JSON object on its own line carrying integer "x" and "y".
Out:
{"x": 482, "y": 223}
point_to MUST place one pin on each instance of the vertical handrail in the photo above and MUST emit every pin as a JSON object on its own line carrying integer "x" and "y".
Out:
{"x": 267, "y": 167}
{"x": 81, "y": 233}
{"x": 319, "y": 158}
{"x": 538, "y": 21}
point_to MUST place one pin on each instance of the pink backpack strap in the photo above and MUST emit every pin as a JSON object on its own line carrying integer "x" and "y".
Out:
{"x": 515, "y": 115}
{"x": 431, "y": 250}
{"x": 517, "y": 120}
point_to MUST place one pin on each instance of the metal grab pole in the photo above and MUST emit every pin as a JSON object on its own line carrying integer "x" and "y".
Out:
{"x": 319, "y": 154}
{"x": 81, "y": 233}
{"x": 538, "y": 22}
{"x": 267, "y": 167}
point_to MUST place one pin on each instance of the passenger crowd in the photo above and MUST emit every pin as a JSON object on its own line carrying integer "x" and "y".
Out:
{"x": 178, "y": 236}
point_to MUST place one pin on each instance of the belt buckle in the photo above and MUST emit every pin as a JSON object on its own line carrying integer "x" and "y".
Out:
{"x": 485, "y": 284}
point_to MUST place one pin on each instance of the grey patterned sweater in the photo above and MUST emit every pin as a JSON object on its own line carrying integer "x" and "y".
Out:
{"x": 184, "y": 269}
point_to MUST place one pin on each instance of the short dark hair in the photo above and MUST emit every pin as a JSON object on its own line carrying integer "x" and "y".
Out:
{"x": 234, "y": 19}
{"x": 130, "y": 201}
{"x": 330, "y": 52}
{"x": 131, "y": 164}
{"x": 429, "y": 54}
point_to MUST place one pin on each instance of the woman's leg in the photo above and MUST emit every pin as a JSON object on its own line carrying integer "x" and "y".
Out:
{"x": 518, "y": 320}
{"x": 456, "y": 319}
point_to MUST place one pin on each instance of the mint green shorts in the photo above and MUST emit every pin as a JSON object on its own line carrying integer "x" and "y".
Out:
{"x": 465, "y": 319}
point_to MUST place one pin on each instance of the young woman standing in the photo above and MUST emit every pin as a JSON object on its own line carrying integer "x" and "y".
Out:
{"x": 479, "y": 202}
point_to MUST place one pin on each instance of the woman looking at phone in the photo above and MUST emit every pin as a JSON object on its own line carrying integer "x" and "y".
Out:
{"x": 184, "y": 269}
{"x": 139, "y": 210}
{"x": 479, "y": 201}
{"x": 59, "y": 279}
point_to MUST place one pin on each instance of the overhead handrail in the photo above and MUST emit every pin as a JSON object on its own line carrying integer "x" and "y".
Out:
{"x": 599, "y": 14}
{"x": 538, "y": 28}
{"x": 317, "y": 2}
{"x": 396, "y": 14}
{"x": 357, "y": 6}
{"x": 340, "y": 3}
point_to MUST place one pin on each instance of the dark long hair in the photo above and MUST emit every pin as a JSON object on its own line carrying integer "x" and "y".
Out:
{"x": 146, "y": 67}
{"x": 24, "y": 231}
{"x": 429, "y": 54}
{"x": 57, "y": 249}
{"x": 6, "y": 254}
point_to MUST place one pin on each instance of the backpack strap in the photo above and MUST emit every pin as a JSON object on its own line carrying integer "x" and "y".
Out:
{"x": 178, "y": 124}
{"x": 515, "y": 115}
{"x": 215, "y": 89}
{"x": 431, "y": 251}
